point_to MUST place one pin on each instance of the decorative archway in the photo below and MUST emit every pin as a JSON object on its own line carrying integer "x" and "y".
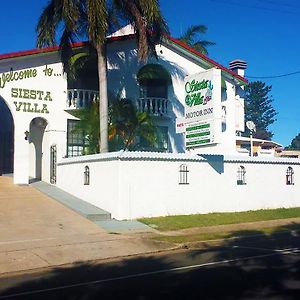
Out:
{"x": 6, "y": 139}
{"x": 35, "y": 139}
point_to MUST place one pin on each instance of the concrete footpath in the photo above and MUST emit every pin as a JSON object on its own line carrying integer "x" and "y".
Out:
{"x": 37, "y": 231}
{"x": 40, "y": 253}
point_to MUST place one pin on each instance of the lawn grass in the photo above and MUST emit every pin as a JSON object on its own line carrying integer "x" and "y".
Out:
{"x": 209, "y": 236}
{"x": 203, "y": 220}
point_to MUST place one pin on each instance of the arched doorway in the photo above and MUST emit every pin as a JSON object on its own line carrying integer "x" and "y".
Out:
{"x": 36, "y": 135}
{"x": 6, "y": 139}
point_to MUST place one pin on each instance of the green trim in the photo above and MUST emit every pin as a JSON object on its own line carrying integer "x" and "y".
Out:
{"x": 153, "y": 71}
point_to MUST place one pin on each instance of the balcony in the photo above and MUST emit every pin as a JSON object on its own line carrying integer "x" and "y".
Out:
{"x": 154, "y": 106}
{"x": 80, "y": 98}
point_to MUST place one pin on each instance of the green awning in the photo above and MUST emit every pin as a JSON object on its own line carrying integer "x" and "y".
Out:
{"x": 153, "y": 71}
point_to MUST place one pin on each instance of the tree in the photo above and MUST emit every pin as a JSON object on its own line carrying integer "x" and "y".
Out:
{"x": 88, "y": 127}
{"x": 95, "y": 19}
{"x": 191, "y": 38}
{"x": 295, "y": 144}
{"x": 126, "y": 124}
{"x": 259, "y": 109}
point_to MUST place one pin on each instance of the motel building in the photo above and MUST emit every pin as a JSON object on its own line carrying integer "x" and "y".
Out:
{"x": 198, "y": 164}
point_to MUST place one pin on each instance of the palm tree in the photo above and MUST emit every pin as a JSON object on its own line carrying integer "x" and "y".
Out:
{"x": 88, "y": 127}
{"x": 127, "y": 124}
{"x": 190, "y": 37}
{"x": 95, "y": 19}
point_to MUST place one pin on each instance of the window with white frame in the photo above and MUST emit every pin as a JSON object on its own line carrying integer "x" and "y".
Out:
{"x": 241, "y": 175}
{"x": 289, "y": 176}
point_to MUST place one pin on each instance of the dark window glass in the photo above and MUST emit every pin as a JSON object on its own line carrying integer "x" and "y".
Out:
{"x": 76, "y": 143}
{"x": 161, "y": 141}
{"x": 156, "y": 88}
{"x": 86, "y": 175}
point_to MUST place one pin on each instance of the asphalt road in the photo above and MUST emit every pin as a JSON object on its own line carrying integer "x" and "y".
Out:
{"x": 258, "y": 268}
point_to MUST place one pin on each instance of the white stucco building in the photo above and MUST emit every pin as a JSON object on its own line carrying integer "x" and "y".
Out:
{"x": 40, "y": 100}
{"x": 37, "y": 142}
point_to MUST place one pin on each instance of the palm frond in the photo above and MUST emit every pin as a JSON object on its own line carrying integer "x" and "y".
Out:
{"x": 65, "y": 46}
{"x": 190, "y": 37}
{"x": 97, "y": 21}
{"x": 206, "y": 43}
{"x": 191, "y": 33}
{"x": 81, "y": 60}
{"x": 47, "y": 25}
{"x": 148, "y": 23}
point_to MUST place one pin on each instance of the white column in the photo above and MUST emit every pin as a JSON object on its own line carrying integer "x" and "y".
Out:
{"x": 21, "y": 154}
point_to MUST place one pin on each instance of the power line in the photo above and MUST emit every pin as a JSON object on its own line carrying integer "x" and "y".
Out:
{"x": 290, "y": 5}
{"x": 259, "y": 7}
{"x": 274, "y": 76}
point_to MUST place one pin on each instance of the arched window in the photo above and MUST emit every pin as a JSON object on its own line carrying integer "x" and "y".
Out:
{"x": 153, "y": 81}
{"x": 86, "y": 175}
{"x": 183, "y": 172}
{"x": 241, "y": 178}
{"x": 289, "y": 176}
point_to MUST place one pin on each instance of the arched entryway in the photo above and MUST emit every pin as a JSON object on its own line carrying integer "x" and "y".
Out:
{"x": 6, "y": 139}
{"x": 35, "y": 138}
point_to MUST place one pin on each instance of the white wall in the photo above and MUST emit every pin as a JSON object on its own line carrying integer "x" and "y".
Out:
{"x": 55, "y": 133}
{"x": 131, "y": 185}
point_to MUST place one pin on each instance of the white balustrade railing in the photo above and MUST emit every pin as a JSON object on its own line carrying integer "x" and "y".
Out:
{"x": 154, "y": 106}
{"x": 80, "y": 98}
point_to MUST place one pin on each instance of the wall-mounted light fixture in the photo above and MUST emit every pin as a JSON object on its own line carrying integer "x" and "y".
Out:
{"x": 26, "y": 135}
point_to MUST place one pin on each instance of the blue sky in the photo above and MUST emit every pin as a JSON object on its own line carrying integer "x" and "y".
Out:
{"x": 262, "y": 32}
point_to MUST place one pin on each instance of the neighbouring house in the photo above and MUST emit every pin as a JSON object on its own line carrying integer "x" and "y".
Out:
{"x": 260, "y": 147}
{"x": 287, "y": 153}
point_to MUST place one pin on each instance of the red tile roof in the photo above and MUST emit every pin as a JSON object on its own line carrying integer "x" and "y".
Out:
{"x": 121, "y": 38}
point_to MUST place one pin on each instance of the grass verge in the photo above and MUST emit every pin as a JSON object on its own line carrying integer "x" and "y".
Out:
{"x": 204, "y": 220}
{"x": 209, "y": 236}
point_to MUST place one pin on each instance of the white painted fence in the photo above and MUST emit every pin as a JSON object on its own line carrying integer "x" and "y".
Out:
{"x": 131, "y": 185}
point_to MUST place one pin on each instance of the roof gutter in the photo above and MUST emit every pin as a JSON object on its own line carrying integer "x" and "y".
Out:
{"x": 203, "y": 60}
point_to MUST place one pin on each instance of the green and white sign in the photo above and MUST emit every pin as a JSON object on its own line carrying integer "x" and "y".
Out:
{"x": 199, "y": 134}
{"x": 203, "y": 108}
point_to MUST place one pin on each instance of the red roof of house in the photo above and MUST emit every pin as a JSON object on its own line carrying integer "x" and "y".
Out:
{"x": 120, "y": 38}
{"x": 204, "y": 57}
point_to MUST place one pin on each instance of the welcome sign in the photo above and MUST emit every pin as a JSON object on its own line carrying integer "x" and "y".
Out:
{"x": 203, "y": 108}
{"x": 30, "y": 100}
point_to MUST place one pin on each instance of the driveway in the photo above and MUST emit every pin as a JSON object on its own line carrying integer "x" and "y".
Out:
{"x": 27, "y": 214}
{"x": 37, "y": 232}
